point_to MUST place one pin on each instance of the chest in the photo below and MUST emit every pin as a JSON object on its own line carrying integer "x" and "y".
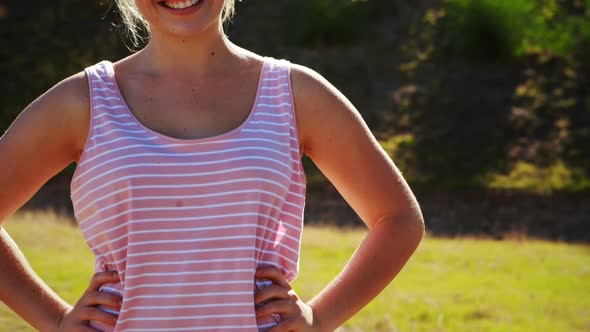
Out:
{"x": 188, "y": 108}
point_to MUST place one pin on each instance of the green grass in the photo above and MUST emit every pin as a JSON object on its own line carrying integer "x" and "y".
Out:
{"x": 462, "y": 284}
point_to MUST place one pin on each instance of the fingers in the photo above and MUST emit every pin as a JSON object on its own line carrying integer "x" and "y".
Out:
{"x": 95, "y": 314}
{"x": 101, "y": 278}
{"x": 287, "y": 325}
{"x": 94, "y": 305}
{"x": 271, "y": 292}
{"x": 283, "y": 307}
{"x": 274, "y": 274}
{"x": 93, "y": 297}
{"x": 278, "y": 298}
{"x": 102, "y": 298}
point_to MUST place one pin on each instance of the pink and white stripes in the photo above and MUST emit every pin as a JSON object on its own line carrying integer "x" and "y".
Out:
{"x": 186, "y": 222}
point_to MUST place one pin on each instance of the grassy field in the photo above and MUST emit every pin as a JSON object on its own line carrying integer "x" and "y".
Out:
{"x": 460, "y": 284}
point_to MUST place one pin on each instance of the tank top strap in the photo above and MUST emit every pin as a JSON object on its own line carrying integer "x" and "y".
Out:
{"x": 102, "y": 82}
{"x": 276, "y": 103}
{"x": 107, "y": 113}
{"x": 99, "y": 74}
{"x": 106, "y": 104}
{"x": 277, "y": 75}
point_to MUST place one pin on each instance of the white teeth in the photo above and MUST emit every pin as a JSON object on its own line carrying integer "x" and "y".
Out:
{"x": 181, "y": 5}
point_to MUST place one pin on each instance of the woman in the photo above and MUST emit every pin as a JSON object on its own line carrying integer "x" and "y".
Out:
{"x": 189, "y": 187}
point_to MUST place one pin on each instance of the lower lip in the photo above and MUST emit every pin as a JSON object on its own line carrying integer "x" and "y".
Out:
{"x": 184, "y": 11}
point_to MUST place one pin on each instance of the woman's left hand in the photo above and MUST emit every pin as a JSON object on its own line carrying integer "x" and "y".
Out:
{"x": 281, "y": 299}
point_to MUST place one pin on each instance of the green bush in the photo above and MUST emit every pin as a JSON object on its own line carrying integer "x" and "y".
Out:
{"x": 401, "y": 149}
{"x": 505, "y": 29}
{"x": 555, "y": 27}
{"x": 488, "y": 29}
{"x": 543, "y": 180}
{"x": 333, "y": 21}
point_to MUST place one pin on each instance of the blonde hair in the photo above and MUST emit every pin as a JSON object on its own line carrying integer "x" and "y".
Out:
{"x": 134, "y": 21}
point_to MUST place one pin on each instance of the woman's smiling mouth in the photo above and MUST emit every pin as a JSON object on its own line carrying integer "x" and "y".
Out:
{"x": 178, "y": 5}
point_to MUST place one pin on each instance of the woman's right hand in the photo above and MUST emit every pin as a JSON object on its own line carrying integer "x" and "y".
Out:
{"x": 86, "y": 309}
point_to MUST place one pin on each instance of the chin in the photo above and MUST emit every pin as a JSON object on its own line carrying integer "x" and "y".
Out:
{"x": 182, "y": 18}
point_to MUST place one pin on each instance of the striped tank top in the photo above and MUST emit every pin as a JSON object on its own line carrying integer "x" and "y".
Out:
{"x": 186, "y": 222}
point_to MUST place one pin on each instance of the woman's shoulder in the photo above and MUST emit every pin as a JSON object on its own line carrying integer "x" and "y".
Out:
{"x": 309, "y": 86}
{"x": 68, "y": 100}
{"x": 72, "y": 98}
{"x": 69, "y": 103}
{"x": 316, "y": 100}
{"x": 61, "y": 112}
{"x": 76, "y": 87}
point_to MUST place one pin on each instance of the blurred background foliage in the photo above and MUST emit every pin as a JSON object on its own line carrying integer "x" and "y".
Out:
{"x": 463, "y": 94}
{"x": 513, "y": 28}
{"x": 496, "y": 96}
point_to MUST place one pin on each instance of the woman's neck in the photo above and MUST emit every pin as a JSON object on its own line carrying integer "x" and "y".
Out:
{"x": 208, "y": 52}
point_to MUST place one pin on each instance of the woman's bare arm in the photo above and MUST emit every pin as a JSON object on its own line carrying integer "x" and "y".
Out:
{"x": 41, "y": 141}
{"x": 337, "y": 139}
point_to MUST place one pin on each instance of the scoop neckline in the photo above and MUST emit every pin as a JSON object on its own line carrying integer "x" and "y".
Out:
{"x": 234, "y": 131}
